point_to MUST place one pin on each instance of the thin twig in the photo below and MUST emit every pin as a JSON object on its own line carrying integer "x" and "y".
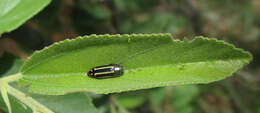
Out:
{"x": 27, "y": 100}
{"x": 115, "y": 14}
{"x": 235, "y": 97}
{"x": 112, "y": 104}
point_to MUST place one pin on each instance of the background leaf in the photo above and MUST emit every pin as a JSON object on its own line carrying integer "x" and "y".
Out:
{"x": 130, "y": 101}
{"x": 183, "y": 97}
{"x": 149, "y": 60}
{"x": 13, "y": 13}
{"x": 6, "y": 62}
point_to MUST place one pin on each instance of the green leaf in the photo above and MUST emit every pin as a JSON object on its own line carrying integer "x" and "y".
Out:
{"x": 149, "y": 60}
{"x": 13, "y": 13}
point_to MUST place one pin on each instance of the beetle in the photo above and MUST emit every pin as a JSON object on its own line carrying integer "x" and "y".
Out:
{"x": 106, "y": 71}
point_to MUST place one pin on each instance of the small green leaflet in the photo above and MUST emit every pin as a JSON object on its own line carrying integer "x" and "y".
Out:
{"x": 14, "y": 13}
{"x": 149, "y": 60}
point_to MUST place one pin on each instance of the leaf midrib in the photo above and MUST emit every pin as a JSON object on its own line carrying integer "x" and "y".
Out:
{"x": 62, "y": 54}
{"x": 39, "y": 76}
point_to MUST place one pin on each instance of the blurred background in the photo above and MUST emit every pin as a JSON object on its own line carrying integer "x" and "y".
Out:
{"x": 235, "y": 21}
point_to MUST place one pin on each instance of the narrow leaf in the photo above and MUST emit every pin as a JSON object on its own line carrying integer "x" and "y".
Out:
{"x": 13, "y": 13}
{"x": 5, "y": 95}
{"x": 149, "y": 60}
{"x": 17, "y": 106}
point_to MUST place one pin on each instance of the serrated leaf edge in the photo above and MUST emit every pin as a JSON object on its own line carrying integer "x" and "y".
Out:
{"x": 36, "y": 53}
{"x": 131, "y": 36}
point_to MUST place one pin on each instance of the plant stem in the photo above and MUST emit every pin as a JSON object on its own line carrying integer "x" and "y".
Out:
{"x": 112, "y": 104}
{"x": 235, "y": 97}
{"x": 11, "y": 78}
{"x": 27, "y": 100}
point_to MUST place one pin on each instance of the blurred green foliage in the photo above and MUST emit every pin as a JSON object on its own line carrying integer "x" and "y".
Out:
{"x": 235, "y": 21}
{"x": 7, "y": 60}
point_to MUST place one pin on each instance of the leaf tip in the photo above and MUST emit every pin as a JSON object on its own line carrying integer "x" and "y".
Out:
{"x": 244, "y": 53}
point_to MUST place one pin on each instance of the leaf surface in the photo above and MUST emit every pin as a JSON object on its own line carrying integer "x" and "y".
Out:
{"x": 13, "y": 13}
{"x": 149, "y": 60}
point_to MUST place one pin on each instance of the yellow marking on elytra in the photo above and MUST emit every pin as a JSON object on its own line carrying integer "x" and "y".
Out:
{"x": 103, "y": 67}
{"x": 104, "y": 72}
